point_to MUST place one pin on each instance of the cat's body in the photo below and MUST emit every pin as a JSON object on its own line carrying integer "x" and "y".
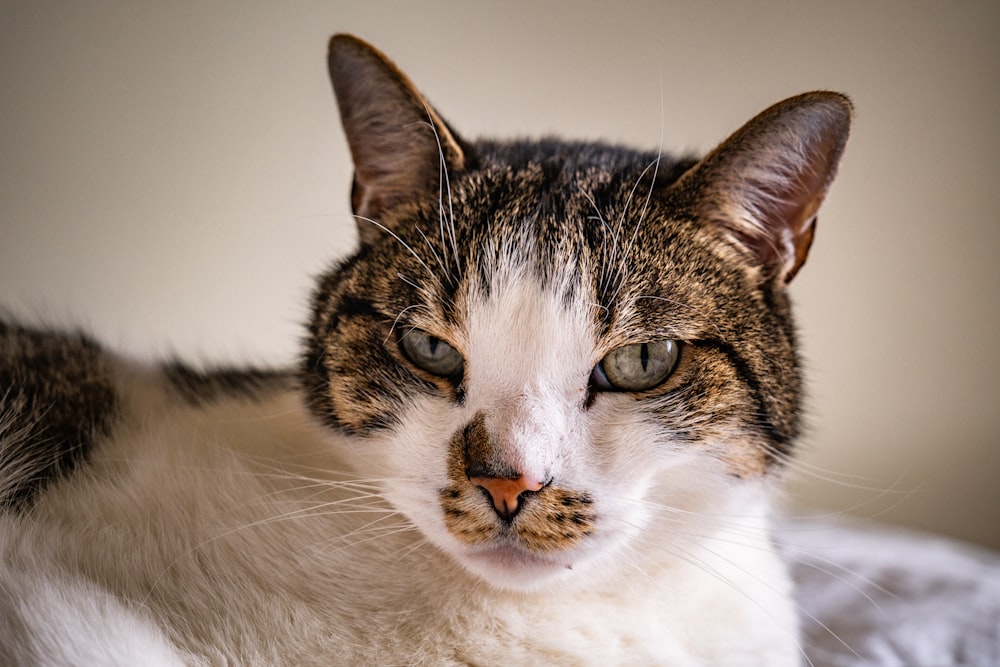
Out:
{"x": 213, "y": 521}
{"x": 538, "y": 420}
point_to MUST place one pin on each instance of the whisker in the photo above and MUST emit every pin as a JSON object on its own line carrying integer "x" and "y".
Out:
{"x": 401, "y": 242}
{"x": 444, "y": 187}
{"x": 380, "y": 534}
{"x": 395, "y": 321}
{"x": 605, "y": 227}
{"x": 619, "y": 264}
{"x": 676, "y": 549}
{"x": 430, "y": 246}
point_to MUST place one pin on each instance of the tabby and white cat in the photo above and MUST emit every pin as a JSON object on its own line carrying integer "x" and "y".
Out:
{"x": 538, "y": 418}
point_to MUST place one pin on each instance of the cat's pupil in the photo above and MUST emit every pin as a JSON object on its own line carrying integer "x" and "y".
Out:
{"x": 636, "y": 367}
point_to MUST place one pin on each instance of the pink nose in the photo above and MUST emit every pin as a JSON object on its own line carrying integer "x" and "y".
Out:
{"x": 506, "y": 493}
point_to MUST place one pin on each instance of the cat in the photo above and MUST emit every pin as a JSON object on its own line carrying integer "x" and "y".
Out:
{"x": 540, "y": 417}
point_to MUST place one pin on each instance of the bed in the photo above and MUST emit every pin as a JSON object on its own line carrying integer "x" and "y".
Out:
{"x": 874, "y": 595}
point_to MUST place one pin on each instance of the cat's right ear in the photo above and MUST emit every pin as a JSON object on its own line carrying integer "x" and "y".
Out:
{"x": 399, "y": 144}
{"x": 764, "y": 184}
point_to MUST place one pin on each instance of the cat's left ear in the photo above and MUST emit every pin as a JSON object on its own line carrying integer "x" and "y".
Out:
{"x": 399, "y": 143}
{"x": 764, "y": 184}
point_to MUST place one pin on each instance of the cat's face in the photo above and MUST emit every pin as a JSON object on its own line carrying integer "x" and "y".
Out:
{"x": 544, "y": 346}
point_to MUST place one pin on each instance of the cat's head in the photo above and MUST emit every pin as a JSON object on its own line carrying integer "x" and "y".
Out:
{"x": 541, "y": 346}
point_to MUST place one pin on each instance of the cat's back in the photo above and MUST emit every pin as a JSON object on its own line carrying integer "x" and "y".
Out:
{"x": 67, "y": 403}
{"x": 59, "y": 401}
{"x": 124, "y": 483}
{"x": 57, "y": 398}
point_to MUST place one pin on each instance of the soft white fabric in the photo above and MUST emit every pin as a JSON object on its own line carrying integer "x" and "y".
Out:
{"x": 872, "y": 595}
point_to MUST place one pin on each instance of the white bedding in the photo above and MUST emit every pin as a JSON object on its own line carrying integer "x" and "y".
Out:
{"x": 872, "y": 595}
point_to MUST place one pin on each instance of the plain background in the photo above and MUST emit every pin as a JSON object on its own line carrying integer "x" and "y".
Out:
{"x": 172, "y": 175}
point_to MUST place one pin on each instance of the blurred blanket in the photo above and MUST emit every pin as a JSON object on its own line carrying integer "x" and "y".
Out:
{"x": 873, "y": 595}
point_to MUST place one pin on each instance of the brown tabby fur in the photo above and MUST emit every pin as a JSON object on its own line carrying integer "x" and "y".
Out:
{"x": 662, "y": 248}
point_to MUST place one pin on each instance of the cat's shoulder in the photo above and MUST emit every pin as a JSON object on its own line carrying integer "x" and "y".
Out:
{"x": 62, "y": 393}
{"x": 57, "y": 399}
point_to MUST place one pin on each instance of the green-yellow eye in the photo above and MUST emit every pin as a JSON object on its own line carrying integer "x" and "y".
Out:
{"x": 636, "y": 367}
{"x": 431, "y": 353}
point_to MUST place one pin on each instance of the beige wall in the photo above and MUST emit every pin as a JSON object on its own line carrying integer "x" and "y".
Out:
{"x": 171, "y": 175}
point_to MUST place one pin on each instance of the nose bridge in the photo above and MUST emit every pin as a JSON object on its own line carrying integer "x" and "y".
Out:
{"x": 522, "y": 428}
{"x": 525, "y": 376}
{"x": 507, "y": 456}
{"x": 483, "y": 453}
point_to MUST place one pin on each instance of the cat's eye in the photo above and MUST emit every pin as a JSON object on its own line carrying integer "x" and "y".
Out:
{"x": 636, "y": 367}
{"x": 431, "y": 353}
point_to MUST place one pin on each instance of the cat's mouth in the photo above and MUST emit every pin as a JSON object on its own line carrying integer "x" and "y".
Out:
{"x": 507, "y": 565}
{"x": 509, "y": 555}
{"x": 552, "y": 520}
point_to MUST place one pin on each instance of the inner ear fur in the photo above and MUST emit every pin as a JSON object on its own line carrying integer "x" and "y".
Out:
{"x": 765, "y": 183}
{"x": 399, "y": 143}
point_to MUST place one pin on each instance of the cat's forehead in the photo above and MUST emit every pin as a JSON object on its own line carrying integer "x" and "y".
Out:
{"x": 569, "y": 207}
{"x": 581, "y": 223}
{"x": 575, "y": 185}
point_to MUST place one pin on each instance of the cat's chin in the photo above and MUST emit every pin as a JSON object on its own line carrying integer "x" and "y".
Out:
{"x": 513, "y": 568}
